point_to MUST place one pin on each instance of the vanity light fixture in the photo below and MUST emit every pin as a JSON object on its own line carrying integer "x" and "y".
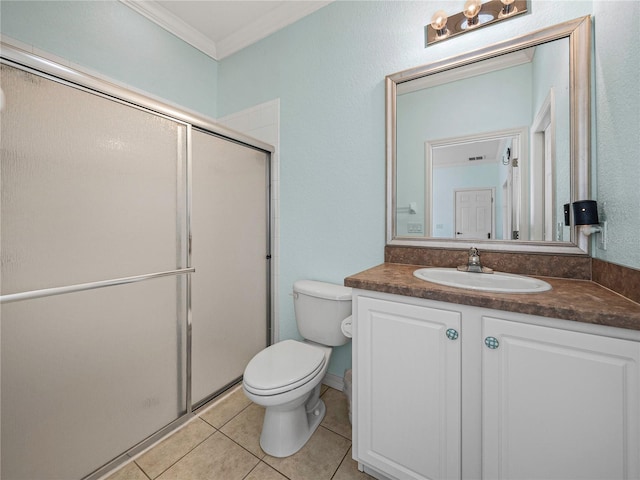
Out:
{"x": 585, "y": 215}
{"x": 474, "y": 15}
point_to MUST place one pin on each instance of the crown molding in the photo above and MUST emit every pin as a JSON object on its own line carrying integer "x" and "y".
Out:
{"x": 257, "y": 30}
{"x": 167, "y": 20}
{"x": 267, "y": 24}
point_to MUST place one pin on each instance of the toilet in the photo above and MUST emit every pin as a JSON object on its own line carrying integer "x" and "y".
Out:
{"x": 285, "y": 377}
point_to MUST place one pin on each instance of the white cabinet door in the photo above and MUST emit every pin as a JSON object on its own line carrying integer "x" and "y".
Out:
{"x": 408, "y": 379}
{"x": 558, "y": 404}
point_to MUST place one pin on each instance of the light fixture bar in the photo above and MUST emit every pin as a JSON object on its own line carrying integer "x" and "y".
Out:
{"x": 443, "y": 28}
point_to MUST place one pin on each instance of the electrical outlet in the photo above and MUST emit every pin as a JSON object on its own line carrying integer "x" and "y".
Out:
{"x": 414, "y": 227}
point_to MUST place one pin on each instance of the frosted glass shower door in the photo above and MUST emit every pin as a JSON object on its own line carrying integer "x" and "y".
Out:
{"x": 93, "y": 190}
{"x": 229, "y": 224}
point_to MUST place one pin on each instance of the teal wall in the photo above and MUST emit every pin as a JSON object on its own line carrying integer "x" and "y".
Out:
{"x": 113, "y": 40}
{"x": 617, "y": 127}
{"x": 442, "y": 112}
{"x": 328, "y": 72}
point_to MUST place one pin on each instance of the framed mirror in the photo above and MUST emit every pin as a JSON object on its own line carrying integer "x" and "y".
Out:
{"x": 487, "y": 148}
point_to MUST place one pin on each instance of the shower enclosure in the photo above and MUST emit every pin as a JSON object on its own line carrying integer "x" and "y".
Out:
{"x": 135, "y": 268}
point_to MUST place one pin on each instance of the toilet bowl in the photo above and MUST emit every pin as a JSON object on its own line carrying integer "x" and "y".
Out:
{"x": 285, "y": 378}
{"x": 292, "y": 400}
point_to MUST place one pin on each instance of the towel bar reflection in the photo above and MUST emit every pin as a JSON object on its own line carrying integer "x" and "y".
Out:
{"x": 411, "y": 209}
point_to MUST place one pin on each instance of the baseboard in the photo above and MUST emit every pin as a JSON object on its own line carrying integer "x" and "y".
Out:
{"x": 373, "y": 472}
{"x": 333, "y": 381}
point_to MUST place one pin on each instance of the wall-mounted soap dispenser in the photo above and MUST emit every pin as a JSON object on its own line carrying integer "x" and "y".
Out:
{"x": 585, "y": 215}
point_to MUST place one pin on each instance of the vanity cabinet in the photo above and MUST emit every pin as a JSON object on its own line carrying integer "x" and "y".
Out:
{"x": 558, "y": 404}
{"x": 511, "y": 396}
{"x": 408, "y": 393}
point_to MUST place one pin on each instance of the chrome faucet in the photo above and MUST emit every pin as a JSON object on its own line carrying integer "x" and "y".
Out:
{"x": 473, "y": 264}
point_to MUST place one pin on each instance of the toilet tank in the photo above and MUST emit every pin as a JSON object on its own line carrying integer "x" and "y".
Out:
{"x": 320, "y": 308}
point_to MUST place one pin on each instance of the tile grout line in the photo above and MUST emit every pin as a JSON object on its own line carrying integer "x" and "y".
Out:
{"x": 142, "y": 470}
{"x": 337, "y": 433}
{"x": 341, "y": 462}
{"x": 271, "y": 467}
{"x": 260, "y": 460}
{"x": 183, "y": 456}
{"x": 244, "y": 448}
{"x": 221, "y": 426}
{"x": 325, "y": 426}
{"x": 249, "y": 472}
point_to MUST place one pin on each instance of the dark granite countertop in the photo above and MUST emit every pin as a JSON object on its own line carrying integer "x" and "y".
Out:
{"x": 578, "y": 300}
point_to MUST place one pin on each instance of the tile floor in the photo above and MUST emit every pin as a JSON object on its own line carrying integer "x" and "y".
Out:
{"x": 222, "y": 443}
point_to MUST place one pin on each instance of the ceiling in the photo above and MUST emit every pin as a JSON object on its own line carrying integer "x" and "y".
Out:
{"x": 460, "y": 153}
{"x": 220, "y": 28}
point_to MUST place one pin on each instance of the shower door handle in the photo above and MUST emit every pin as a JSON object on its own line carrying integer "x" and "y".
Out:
{"x": 49, "y": 292}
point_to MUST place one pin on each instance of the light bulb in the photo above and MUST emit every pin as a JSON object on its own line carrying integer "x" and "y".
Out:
{"x": 508, "y": 9}
{"x": 439, "y": 21}
{"x": 472, "y": 8}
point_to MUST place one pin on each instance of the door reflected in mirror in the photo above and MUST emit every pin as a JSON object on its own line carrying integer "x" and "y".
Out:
{"x": 475, "y": 187}
{"x": 483, "y": 151}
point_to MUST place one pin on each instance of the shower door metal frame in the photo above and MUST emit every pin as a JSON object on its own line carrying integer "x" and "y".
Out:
{"x": 18, "y": 58}
{"x": 269, "y": 339}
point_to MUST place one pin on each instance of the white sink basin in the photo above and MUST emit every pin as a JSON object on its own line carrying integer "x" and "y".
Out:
{"x": 486, "y": 282}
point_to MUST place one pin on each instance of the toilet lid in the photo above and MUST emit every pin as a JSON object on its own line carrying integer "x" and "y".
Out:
{"x": 283, "y": 366}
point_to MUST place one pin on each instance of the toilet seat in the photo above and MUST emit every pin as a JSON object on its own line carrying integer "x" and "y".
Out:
{"x": 282, "y": 367}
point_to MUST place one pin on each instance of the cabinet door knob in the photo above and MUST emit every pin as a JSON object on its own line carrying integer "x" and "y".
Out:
{"x": 491, "y": 342}
{"x": 452, "y": 334}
